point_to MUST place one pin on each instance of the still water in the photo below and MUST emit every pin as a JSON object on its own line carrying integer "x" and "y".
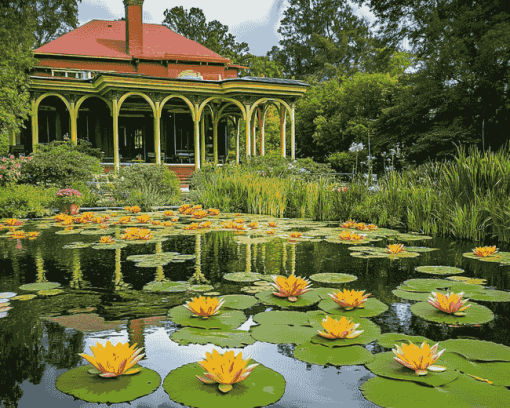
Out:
{"x": 34, "y": 351}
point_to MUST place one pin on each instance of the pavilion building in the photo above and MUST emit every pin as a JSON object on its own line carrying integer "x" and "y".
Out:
{"x": 142, "y": 93}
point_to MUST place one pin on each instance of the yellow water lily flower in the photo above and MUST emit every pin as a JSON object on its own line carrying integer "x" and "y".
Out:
{"x": 371, "y": 227}
{"x": 125, "y": 220}
{"x": 20, "y": 234}
{"x": 103, "y": 226}
{"x": 197, "y": 214}
{"x": 253, "y": 225}
{"x": 106, "y": 240}
{"x": 272, "y": 224}
{"x": 360, "y": 226}
{"x": 143, "y": 218}
{"x": 205, "y": 224}
{"x": 295, "y": 235}
{"x": 60, "y": 217}
{"x": 270, "y": 232}
{"x": 339, "y": 329}
{"x": 449, "y": 303}
{"x": 169, "y": 213}
{"x": 88, "y": 216}
{"x": 417, "y": 358}
{"x": 356, "y": 237}
{"x": 395, "y": 249}
{"x": 349, "y": 224}
{"x": 183, "y": 208}
{"x": 167, "y": 224}
{"x": 239, "y": 221}
{"x": 157, "y": 222}
{"x": 175, "y": 219}
{"x": 483, "y": 252}
{"x": 97, "y": 220}
{"x": 197, "y": 207}
{"x": 191, "y": 227}
{"x": 213, "y": 211}
{"x": 136, "y": 233}
{"x": 349, "y": 299}
{"x": 203, "y": 306}
{"x": 135, "y": 209}
{"x": 239, "y": 227}
{"x": 225, "y": 369}
{"x": 290, "y": 287}
{"x": 13, "y": 222}
{"x": 227, "y": 225}
{"x": 113, "y": 361}
{"x": 33, "y": 234}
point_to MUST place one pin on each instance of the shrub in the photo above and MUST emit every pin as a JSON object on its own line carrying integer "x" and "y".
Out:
{"x": 146, "y": 185}
{"x": 20, "y": 201}
{"x": 60, "y": 164}
{"x": 10, "y": 169}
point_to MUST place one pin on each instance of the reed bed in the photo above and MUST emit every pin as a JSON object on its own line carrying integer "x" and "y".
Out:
{"x": 466, "y": 197}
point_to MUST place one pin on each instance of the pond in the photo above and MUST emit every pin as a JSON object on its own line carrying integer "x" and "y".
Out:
{"x": 99, "y": 292}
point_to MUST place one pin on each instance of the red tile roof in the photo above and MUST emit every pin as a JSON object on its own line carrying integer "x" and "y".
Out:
{"x": 107, "y": 39}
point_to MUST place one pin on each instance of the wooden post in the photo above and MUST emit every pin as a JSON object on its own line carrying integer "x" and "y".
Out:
{"x": 293, "y": 132}
{"x": 202, "y": 136}
{"x": 215, "y": 137}
{"x": 157, "y": 133}
{"x": 283, "y": 118}
{"x": 35, "y": 125}
{"x": 248, "y": 126}
{"x": 253, "y": 136}
{"x": 197, "y": 137}
{"x": 73, "y": 115}
{"x": 116, "y": 160}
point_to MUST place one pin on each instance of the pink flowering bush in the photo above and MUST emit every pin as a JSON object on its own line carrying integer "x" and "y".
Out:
{"x": 68, "y": 196}
{"x": 10, "y": 169}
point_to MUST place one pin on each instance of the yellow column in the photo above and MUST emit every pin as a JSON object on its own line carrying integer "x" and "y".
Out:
{"x": 215, "y": 137}
{"x": 197, "y": 138}
{"x": 283, "y": 118}
{"x": 157, "y": 133}
{"x": 293, "y": 132}
{"x": 202, "y": 137}
{"x": 116, "y": 160}
{"x": 35, "y": 126}
{"x": 238, "y": 124}
{"x": 248, "y": 126}
{"x": 254, "y": 135}
{"x": 12, "y": 138}
{"x": 73, "y": 115}
{"x": 262, "y": 116}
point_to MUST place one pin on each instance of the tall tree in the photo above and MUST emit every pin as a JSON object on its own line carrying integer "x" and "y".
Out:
{"x": 321, "y": 37}
{"x": 213, "y": 35}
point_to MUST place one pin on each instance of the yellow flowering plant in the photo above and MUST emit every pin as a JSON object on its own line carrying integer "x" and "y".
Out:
{"x": 350, "y": 299}
{"x": 339, "y": 329}
{"x": 450, "y": 303}
{"x": 204, "y": 307}
{"x": 395, "y": 249}
{"x": 483, "y": 252}
{"x": 419, "y": 359}
{"x": 290, "y": 287}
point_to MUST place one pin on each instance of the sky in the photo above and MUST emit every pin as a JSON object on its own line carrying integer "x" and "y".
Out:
{"x": 254, "y": 22}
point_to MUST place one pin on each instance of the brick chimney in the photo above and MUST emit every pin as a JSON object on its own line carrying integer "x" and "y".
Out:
{"x": 134, "y": 26}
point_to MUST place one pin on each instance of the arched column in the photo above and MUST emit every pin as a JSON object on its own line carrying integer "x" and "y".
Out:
{"x": 238, "y": 129}
{"x": 283, "y": 118}
{"x": 157, "y": 133}
{"x": 202, "y": 140}
{"x": 196, "y": 122}
{"x": 215, "y": 121}
{"x": 248, "y": 128}
{"x": 115, "y": 117}
{"x": 293, "y": 132}
{"x": 262, "y": 120}
{"x": 254, "y": 134}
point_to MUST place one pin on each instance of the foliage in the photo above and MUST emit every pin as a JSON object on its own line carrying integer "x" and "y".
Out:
{"x": 20, "y": 201}
{"x": 10, "y": 169}
{"x": 212, "y": 35}
{"x": 59, "y": 164}
{"x": 146, "y": 186}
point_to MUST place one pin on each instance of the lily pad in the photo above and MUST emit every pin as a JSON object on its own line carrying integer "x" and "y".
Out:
{"x": 220, "y": 338}
{"x": 478, "y": 350}
{"x": 384, "y": 365}
{"x": 7, "y": 295}
{"x": 389, "y": 340}
{"x": 502, "y": 258}
{"x": 167, "y": 286}
{"x": 115, "y": 245}
{"x": 24, "y": 297}
{"x": 282, "y": 327}
{"x": 370, "y": 332}
{"x": 427, "y": 285}
{"x": 409, "y": 237}
{"x": 239, "y": 302}
{"x": 50, "y": 292}
{"x": 324, "y": 292}
{"x": 335, "y": 278}
{"x": 476, "y": 314}
{"x": 440, "y": 270}
{"x": 93, "y": 388}
{"x": 200, "y": 288}
{"x": 420, "y": 249}
{"x": 35, "y": 287}
{"x": 242, "y": 276}
{"x": 464, "y": 392}
{"x": 83, "y": 310}
{"x": 212, "y": 294}
{"x": 152, "y": 260}
{"x": 224, "y": 320}
{"x": 86, "y": 322}
{"x": 98, "y": 231}
{"x": 77, "y": 245}
{"x": 373, "y": 307}
{"x": 491, "y": 296}
{"x": 339, "y": 356}
{"x": 368, "y": 255}
{"x": 404, "y": 254}
{"x": 307, "y": 299}
{"x": 262, "y": 387}
{"x": 418, "y": 296}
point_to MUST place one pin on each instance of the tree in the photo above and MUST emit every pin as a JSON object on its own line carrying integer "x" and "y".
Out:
{"x": 213, "y": 35}
{"x": 321, "y": 37}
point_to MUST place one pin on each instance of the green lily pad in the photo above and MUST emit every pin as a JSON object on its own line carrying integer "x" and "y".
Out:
{"x": 212, "y": 294}
{"x": 324, "y": 292}
{"x": 420, "y": 249}
{"x": 368, "y": 255}
{"x": 98, "y": 231}
{"x": 167, "y": 286}
{"x": 7, "y": 295}
{"x": 35, "y": 287}
{"x": 404, "y": 254}
{"x": 367, "y": 249}
{"x": 83, "y": 310}
{"x": 50, "y": 292}
{"x": 200, "y": 288}
{"x": 370, "y": 332}
{"x": 336, "y": 278}
{"x": 389, "y": 340}
{"x": 384, "y": 365}
{"x": 24, "y": 297}
{"x": 307, "y": 299}
{"x": 262, "y": 387}
{"x": 93, "y": 388}
{"x": 282, "y": 327}
{"x": 409, "y": 237}
{"x": 68, "y": 232}
{"x": 77, "y": 245}
{"x": 418, "y": 296}
{"x": 261, "y": 283}
{"x": 224, "y": 320}
{"x": 339, "y": 356}
{"x": 373, "y": 307}
{"x": 464, "y": 392}
{"x": 476, "y": 314}
{"x": 477, "y": 349}
{"x": 86, "y": 322}
{"x": 440, "y": 270}
{"x": 239, "y": 302}
{"x": 427, "y": 285}
{"x": 153, "y": 260}
{"x": 242, "y": 276}
{"x": 115, "y": 245}
{"x": 500, "y": 257}
{"x": 491, "y": 296}
{"x": 220, "y": 338}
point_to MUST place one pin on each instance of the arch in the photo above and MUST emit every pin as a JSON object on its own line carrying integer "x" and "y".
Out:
{"x": 228, "y": 115}
{"x": 186, "y": 100}
{"x": 125, "y": 96}
{"x": 235, "y": 102}
{"x": 85, "y": 97}
{"x": 38, "y": 100}
{"x": 262, "y": 100}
